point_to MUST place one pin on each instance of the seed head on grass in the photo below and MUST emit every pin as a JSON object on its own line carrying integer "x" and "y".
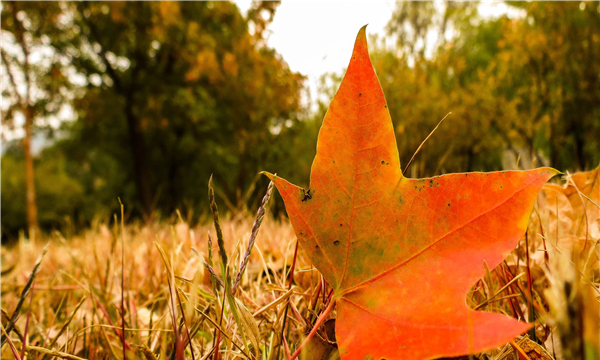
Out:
{"x": 213, "y": 275}
{"x": 215, "y": 214}
{"x": 260, "y": 214}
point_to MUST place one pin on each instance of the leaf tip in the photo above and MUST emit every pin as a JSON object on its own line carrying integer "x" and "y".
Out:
{"x": 551, "y": 172}
{"x": 363, "y": 31}
{"x": 269, "y": 175}
{"x": 361, "y": 48}
{"x": 361, "y": 37}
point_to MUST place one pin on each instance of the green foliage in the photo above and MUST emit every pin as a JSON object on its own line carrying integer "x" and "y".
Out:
{"x": 175, "y": 92}
{"x": 527, "y": 87}
{"x": 59, "y": 194}
{"x": 168, "y": 93}
{"x": 49, "y": 87}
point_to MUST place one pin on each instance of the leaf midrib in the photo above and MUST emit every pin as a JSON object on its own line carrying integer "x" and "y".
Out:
{"x": 344, "y": 293}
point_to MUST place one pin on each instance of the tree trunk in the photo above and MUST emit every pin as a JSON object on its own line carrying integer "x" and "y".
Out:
{"x": 32, "y": 215}
{"x": 25, "y": 103}
{"x": 138, "y": 149}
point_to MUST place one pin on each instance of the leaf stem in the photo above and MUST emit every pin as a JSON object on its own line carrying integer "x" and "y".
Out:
{"x": 312, "y": 333}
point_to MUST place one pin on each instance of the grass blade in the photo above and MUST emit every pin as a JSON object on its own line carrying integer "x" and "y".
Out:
{"x": 65, "y": 325}
{"x": 15, "y": 316}
{"x": 10, "y": 343}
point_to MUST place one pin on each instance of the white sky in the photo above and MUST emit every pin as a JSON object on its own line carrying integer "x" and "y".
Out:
{"x": 317, "y": 36}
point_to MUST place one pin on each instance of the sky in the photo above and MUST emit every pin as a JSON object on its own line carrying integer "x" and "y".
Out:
{"x": 317, "y": 36}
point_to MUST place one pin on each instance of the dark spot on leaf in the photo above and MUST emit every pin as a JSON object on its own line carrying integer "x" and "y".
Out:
{"x": 448, "y": 204}
{"x": 306, "y": 195}
{"x": 341, "y": 225}
{"x": 337, "y": 242}
{"x": 316, "y": 247}
{"x": 359, "y": 94}
{"x": 385, "y": 106}
{"x": 354, "y": 57}
{"x": 382, "y": 162}
{"x": 501, "y": 187}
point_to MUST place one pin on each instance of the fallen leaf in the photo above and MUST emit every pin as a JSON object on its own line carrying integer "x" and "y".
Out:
{"x": 574, "y": 212}
{"x": 573, "y": 221}
{"x": 401, "y": 254}
{"x": 533, "y": 350}
{"x": 320, "y": 347}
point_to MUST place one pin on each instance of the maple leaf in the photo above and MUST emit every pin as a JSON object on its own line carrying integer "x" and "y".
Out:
{"x": 401, "y": 254}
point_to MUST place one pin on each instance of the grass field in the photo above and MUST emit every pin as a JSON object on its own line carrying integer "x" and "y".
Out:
{"x": 150, "y": 281}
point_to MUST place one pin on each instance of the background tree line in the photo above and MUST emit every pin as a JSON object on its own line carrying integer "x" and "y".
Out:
{"x": 164, "y": 94}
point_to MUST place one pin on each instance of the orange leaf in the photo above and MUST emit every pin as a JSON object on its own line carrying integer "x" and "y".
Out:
{"x": 401, "y": 254}
{"x": 574, "y": 211}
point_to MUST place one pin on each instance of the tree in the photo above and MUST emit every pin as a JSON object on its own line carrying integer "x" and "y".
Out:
{"x": 424, "y": 80}
{"x": 175, "y": 92}
{"x": 59, "y": 196}
{"x": 526, "y": 86}
{"x": 551, "y": 68}
{"x": 34, "y": 88}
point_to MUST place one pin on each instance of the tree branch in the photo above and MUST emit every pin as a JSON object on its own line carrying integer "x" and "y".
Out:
{"x": 109, "y": 69}
{"x": 11, "y": 77}
{"x": 20, "y": 37}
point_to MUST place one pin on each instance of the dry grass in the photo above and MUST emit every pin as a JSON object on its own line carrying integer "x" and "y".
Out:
{"x": 75, "y": 310}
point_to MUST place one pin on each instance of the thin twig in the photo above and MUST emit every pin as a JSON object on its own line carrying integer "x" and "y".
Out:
{"x": 55, "y": 353}
{"x": 499, "y": 291}
{"x": 420, "y": 146}
{"x": 522, "y": 353}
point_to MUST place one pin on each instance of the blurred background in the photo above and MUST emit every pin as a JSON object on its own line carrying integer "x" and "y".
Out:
{"x": 143, "y": 101}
